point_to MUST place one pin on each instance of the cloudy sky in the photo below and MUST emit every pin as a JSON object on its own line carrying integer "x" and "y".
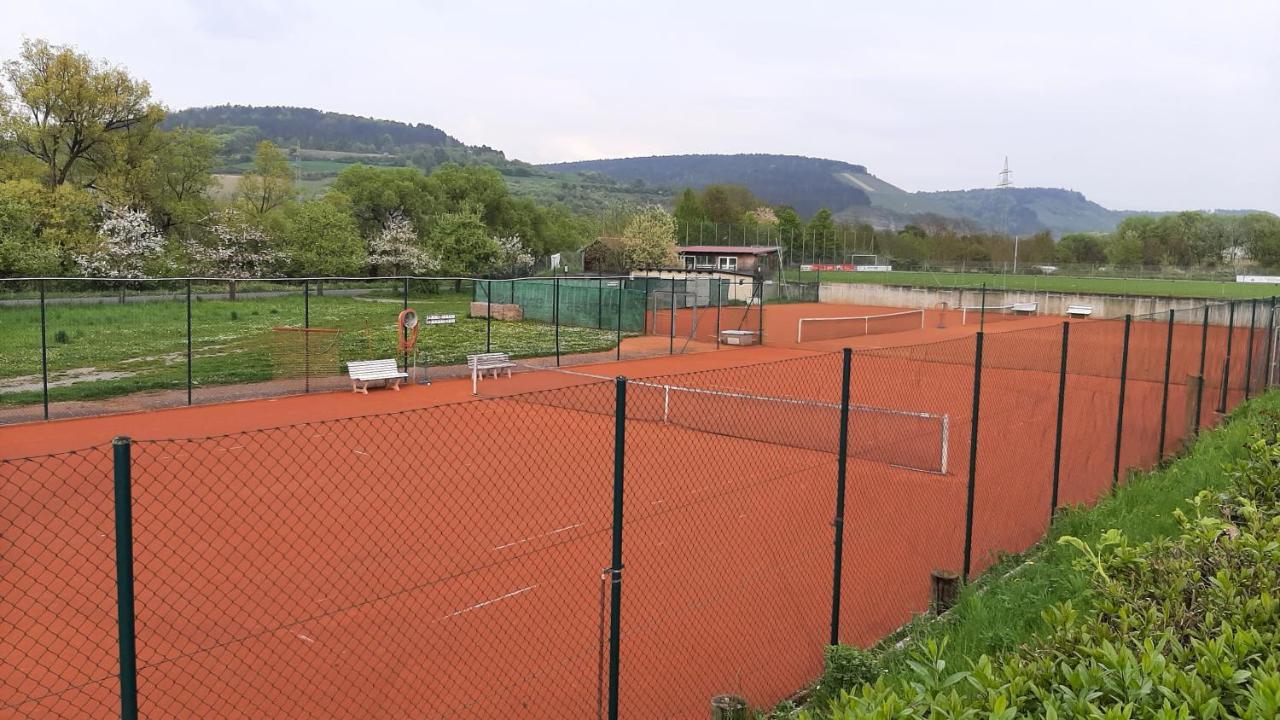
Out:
{"x": 1140, "y": 104}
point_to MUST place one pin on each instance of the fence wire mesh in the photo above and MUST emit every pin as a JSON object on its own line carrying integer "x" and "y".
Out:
{"x": 455, "y": 560}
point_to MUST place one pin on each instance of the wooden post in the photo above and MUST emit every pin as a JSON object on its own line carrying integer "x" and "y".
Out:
{"x": 944, "y": 591}
{"x": 728, "y": 707}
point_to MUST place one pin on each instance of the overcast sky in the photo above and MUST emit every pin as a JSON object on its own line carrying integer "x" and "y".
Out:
{"x": 1151, "y": 104}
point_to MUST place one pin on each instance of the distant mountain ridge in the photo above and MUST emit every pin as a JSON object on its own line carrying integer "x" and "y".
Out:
{"x": 315, "y": 129}
{"x": 806, "y": 184}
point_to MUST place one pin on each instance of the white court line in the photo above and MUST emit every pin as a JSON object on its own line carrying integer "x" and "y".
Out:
{"x": 557, "y": 531}
{"x": 477, "y": 606}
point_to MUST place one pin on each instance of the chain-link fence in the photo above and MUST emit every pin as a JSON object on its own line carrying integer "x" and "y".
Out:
{"x": 78, "y": 347}
{"x": 599, "y": 548}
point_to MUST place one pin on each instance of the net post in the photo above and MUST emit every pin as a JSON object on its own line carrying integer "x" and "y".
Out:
{"x": 1253, "y": 338}
{"x": 1164, "y": 390}
{"x": 44, "y": 352}
{"x": 405, "y": 294}
{"x": 615, "y": 563}
{"x": 1226, "y": 362}
{"x": 123, "y": 496}
{"x": 618, "y": 331}
{"x": 837, "y": 568}
{"x": 671, "y": 342}
{"x": 1204, "y": 344}
{"x": 1057, "y": 437}
{"x": 973, "y": 455}
{"x": 488, "y": 316}
{"x": 982, "y": 312}
{"x": 760, "y": 307}
{"x": 1124, "y": 372}
{"x": 306, "y": 336}
{"x": 555, "y": 313}
{"x": 189, "y": 341}
{"x": 719, "y": 295}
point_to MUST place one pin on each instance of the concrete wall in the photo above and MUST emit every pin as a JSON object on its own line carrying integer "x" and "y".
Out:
{"x": 1048, "y": 303}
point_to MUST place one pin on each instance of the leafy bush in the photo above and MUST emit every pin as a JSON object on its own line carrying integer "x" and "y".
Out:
{"x": 1176, "y": 628}
{"x": 844, "y": 666}
{"x": 61, "y": 337}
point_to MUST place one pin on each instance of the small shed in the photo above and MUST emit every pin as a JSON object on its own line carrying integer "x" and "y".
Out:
{"x": 752, "y": 259}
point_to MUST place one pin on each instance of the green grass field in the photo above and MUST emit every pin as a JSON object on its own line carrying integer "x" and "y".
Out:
{"x": 125, "y": 348}
{"x": 1147, "y": 287}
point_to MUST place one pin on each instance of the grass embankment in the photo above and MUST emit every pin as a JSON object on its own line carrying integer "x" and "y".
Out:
{"x": 142, "y": 346}
{"x": 1147, "y": 287}
{"x": 1164, "y": 606}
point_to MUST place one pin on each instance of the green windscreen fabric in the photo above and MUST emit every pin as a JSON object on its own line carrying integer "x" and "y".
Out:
{"x": 584, "y": 302}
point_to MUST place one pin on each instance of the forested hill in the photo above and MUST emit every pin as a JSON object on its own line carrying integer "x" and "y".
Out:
{"x": 1017, "y": 211}
{"x": 316, "y": 129}
{"x": 806, "y": 184}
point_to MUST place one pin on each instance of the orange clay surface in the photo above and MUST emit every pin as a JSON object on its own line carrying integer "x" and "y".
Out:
{"x": 425, "y": 554}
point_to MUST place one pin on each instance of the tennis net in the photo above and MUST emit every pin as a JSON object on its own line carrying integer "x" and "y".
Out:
{"x": 974, "y": 314}
{"x": 831, "y": 328}
{"x": 903, "y": 438}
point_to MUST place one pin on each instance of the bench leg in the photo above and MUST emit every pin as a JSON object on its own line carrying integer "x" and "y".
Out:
{"x": 508, "y": 372}
{"x": 396, "y": 387}
{"x": 364, "y": 387}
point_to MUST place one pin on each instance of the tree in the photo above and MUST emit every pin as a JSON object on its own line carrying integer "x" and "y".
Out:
{"x": 129, "y": 246}
{"x": 1082, "y": 248}
{"x": 790, "y": 229}
{"x": 236, "y": 248}
{"x": 1261, "y": 238}
{"x": 179, "y": 178}
{"x": 395, "y": 249}
{"x": 24, "y": 207}
{"x": 649, "y": 240}
{"x": 512, "y": 255}
{"x": 378, "y": 194}
{"x": 270, "y": 185}
{"x": 463, "y": 243}
{"x": 689, "y": 214}
{"x": 71, "y": 113}
{"x": 822, "y": 235}
{"x": 724, "y": 203}
{"x": 320, "y": 238}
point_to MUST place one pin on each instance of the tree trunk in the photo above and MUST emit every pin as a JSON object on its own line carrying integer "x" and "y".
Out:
{"x": 231, "y": 289}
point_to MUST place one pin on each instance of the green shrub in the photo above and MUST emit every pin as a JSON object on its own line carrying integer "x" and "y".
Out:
{"x": 1176, "y": 628}
{"x": 843, "y": 666}
{"x": 61, "y": 337}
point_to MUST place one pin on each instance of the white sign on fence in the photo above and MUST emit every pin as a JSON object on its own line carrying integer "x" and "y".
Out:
{"x": 1263, "y": 279}
{"x": 874, "y": 268}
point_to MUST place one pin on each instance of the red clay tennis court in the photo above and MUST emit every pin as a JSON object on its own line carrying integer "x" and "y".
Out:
{"x": 428, "y": 554}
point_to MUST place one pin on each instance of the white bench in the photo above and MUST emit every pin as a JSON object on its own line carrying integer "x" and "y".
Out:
{"x": 493, "y": 361}
{"x": 363, "y": 372}
{"x": 440, "y": 319}
{"x": 1079, "y": 310}
{"x": 1025, "y": 308}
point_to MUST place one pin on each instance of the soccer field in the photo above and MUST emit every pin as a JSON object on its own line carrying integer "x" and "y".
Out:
{"x": 1151, "y": 287}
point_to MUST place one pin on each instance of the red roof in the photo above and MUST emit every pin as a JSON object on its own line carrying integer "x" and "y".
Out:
{"x": 729, "y": 249}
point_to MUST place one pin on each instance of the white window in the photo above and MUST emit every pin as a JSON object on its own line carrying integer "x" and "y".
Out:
{"x": 728, "y": 262}
{"x": 703, "y": 261}
{"x": 688, "y": 262}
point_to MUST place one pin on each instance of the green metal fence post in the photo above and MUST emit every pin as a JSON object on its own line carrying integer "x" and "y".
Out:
{"x": 555, "y": 313}
{"x": 1204, "y": 344}
{"x": 1164, "y": 391}
{"x": 842, "y": 458}
{"x": 1253, "y": 339}
{"x": 1271, "y": 341}
{"x": 488, "y": 316}
{"x": 189, "y": 354}
{"x": 44, "y": 352}
{"x": 973, "y": 456}
{"x": 671, "y": 342}
{"x": 1226, "y": 363}
{"x": 306, "y": 336}
{"x": 615, "y": 561}
{"x": 621, "y": 296}
{"x": 1124, "y": 373}
{"x": 122, "y": 463}
{"x": 1057, "y": 438}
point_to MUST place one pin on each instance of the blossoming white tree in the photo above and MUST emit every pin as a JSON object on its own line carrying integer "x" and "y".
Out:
{"x": 396, "y": 249}
{"x": 236, "y": 249}
{"x": 128, "y": 246}
{"x": 512, "y": 254}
